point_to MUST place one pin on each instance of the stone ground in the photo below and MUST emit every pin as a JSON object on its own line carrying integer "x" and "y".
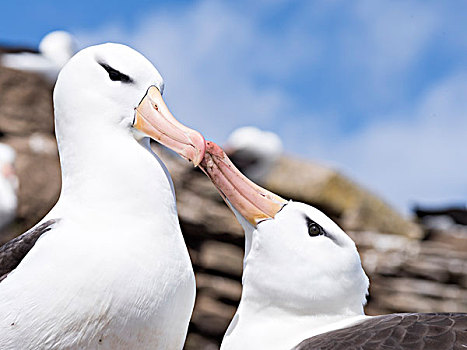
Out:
{"x": 411, "y": 268}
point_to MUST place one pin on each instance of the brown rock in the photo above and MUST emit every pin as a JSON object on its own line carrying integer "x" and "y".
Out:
{"x": 211, "y": 317}
{"x": 194, "y": 341}
{"x": 25, "y": 103}
{"x": 220, "y": 288}
{"x": 222, "y": 258}
{"x": 26, "y": 123}
{"x": 338, "y": 196}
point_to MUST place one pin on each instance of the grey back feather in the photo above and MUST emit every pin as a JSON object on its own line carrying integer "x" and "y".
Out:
{"x": 433, "y": 331}
{"x": 12, "y": 252}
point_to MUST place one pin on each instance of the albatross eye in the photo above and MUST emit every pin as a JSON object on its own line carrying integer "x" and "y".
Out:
{"x": 314, "y": 229}
{"x": 116, "y": 75}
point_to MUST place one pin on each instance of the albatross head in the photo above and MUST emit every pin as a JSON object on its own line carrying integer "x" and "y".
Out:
{"x": 111, "y": 88}
{"x": 296, "y": 259}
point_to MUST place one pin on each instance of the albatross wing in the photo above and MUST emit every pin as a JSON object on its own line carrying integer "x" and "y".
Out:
{"x": 432, "y": 331}
{"x": 13, "y": 252}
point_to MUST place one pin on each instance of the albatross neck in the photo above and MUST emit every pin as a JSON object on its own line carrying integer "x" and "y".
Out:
{"x": 274, "y": 317}
{"x": 106, "y": 170}
{"x": 264, "y": 325}
{"x": 276, "y": 329}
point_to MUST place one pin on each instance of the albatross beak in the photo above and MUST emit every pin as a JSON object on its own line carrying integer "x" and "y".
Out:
{"x": 153, "y": 118}
{"x": 253, "y": 202}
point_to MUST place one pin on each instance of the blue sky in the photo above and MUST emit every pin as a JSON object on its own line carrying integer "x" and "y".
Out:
{"x": 375, "y": 89}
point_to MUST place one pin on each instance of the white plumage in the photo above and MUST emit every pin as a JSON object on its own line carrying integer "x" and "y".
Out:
{"x": 296, "y": 286}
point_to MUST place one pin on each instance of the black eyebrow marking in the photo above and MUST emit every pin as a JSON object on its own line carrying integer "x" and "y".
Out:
{"x": 116, "y": 75}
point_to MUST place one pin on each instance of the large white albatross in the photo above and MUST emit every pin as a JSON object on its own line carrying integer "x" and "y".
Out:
{"x": 110, "y": 269}
{"x": 303, "y": 283}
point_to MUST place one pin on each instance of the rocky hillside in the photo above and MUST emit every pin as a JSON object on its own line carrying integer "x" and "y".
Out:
{"x": 410, "y": 268}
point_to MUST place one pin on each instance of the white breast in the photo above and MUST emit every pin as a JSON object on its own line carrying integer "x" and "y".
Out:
{"x": 115, "y": 274}
{"x": 109, "y": 290}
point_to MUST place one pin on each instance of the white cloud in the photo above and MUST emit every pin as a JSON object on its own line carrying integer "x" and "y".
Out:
{"x": 395, "y": 32}
{"x": 379, "y": 45}
{"x": 417, "y": 156}
{"x": 209, "y": 55}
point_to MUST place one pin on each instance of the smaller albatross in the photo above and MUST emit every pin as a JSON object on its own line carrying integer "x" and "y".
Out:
{"x": 253, "y": 151}
{"x": 303, "y": 283}
{"x": 55, "y": 49}
{"x": 107, "y": 268}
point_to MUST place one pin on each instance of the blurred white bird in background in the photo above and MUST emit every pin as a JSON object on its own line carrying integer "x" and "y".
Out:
{"x": 8, "y": 185}
{"x": 55, "y": 49}
{"x": 254, "y": 151}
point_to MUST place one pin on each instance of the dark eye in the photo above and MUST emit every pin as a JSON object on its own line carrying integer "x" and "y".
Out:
{"x": 116, "y": 75}
{"x": 314, "y": 229}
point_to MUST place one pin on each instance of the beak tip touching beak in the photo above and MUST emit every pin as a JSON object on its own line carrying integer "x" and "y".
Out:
{"x": 254, "y": 203}
{"x": 214, "y": 149}
{"x": 251, "y": 201}
{"x": 199, "y": 145}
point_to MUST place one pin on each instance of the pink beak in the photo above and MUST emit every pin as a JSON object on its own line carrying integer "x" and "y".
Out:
{"x": 253, "y": 202}
{"x": 153, "y": 118}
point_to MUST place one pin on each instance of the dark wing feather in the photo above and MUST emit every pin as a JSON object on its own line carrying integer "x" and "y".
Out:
{"x": 436, "y": 331}
{"x": 12, "y": 252}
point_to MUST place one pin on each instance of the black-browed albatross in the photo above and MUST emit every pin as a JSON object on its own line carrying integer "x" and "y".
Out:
{"x": 110, "y": 268}
{"x": 303, "y": 283}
